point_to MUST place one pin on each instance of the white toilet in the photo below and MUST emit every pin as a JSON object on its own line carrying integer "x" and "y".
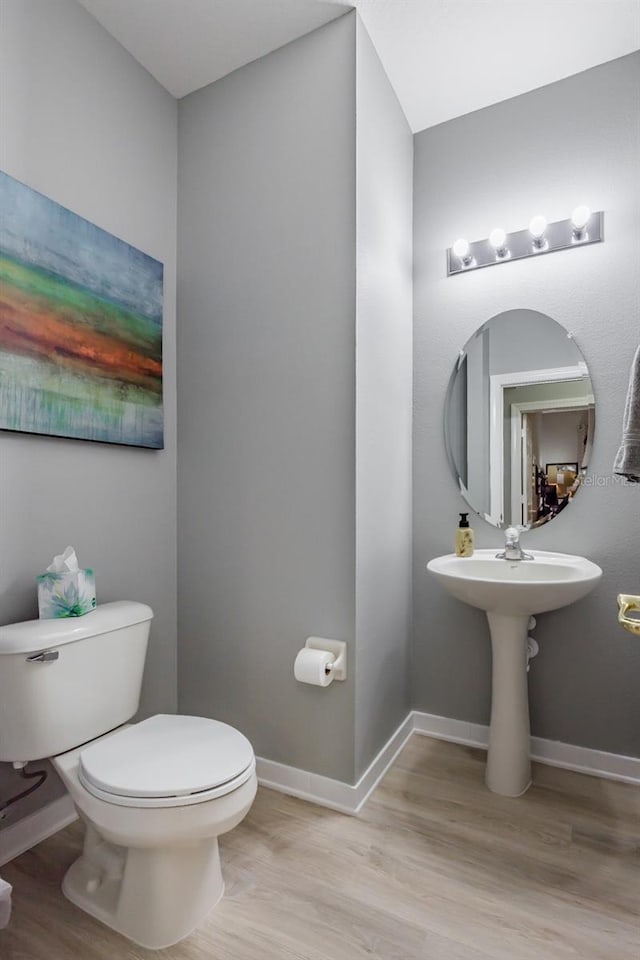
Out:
{"x": 155, "y": 795}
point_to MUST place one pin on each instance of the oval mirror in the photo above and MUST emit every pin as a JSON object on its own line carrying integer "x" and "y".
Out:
{"x": 519, "y": 419}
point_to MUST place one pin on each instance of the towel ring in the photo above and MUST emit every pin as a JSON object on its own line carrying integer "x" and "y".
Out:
{"x": 627, "y": 603}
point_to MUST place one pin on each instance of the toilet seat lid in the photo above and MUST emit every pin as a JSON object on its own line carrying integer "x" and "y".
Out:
{"x": 167, "y": 756}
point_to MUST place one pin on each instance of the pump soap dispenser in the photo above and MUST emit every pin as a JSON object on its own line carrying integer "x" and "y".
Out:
{"x": 464, "y": 537}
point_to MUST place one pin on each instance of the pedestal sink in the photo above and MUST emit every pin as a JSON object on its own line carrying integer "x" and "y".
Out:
{"x": 510, "y": 592}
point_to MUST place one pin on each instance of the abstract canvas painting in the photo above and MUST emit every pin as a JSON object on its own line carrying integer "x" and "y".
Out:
{"x": 80, "y": 326}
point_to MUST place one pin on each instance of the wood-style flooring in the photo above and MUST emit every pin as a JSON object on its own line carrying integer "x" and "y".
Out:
{"x": 434, "y": 868}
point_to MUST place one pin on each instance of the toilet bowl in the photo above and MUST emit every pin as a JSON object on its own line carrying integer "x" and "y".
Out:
{"x": 154, "y": 796}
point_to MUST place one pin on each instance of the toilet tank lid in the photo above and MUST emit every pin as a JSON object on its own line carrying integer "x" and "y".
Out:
{"x": 33, "y": 636}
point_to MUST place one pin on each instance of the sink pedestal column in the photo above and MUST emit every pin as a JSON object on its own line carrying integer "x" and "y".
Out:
{"x": 508, "y": 763}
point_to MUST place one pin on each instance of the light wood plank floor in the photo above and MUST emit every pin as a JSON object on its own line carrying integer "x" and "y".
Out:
{"x": 434, "y": 868}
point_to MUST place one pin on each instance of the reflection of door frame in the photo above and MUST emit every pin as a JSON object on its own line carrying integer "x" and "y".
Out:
{"x": 565, "y": 405}
{"x": 498, "y": 383}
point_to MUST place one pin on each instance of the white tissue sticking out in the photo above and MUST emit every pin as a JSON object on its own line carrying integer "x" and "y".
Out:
{"x": 64, "y": 562}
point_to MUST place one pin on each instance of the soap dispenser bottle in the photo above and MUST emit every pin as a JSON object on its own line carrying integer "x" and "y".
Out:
{"x": 464, "y": 537}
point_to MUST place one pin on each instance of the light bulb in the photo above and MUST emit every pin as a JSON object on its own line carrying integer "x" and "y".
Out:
{"x": 579, "y": 220}
{"x": 538, "y": 226}
{"x": 580, "y": 217}
{"x": 498, "y": 240}
{"x": 461, "y": 250}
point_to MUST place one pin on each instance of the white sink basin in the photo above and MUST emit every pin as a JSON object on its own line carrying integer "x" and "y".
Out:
{"x": 510, "y": 591}
{"x": 524, "y": 587}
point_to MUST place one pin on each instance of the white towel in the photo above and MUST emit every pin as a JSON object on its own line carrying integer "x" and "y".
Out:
{"x": 5, "y": 903}
{"x": 627, "y": 462}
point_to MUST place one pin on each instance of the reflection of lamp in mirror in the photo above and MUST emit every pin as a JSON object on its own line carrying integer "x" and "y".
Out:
{"x": 579, "y": 220}
{"x": 461, "y": 250}
{"x": 537, "y": 229}
{"x": 498, "y": 240}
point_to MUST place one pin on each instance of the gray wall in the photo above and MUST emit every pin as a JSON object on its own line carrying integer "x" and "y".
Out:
{"x": 559, "y": 440}
{"x": 84, "y": 124}
{"x": 266, "y": 348}
{"x": 529, "y": 340}
{"x": 546, "y": 151}
{"x": 383, "y": 405}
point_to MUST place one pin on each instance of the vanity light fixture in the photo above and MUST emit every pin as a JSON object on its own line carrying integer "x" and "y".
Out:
{"x": 498, "y": 240}
{"x": 580, "y": 230}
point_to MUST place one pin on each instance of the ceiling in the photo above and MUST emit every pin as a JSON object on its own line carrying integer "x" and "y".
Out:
{"x": 444, "y": 58}
{"x": 186, "y": 44}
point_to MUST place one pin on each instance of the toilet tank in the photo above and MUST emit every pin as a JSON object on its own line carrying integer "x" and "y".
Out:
{"x": 63, "y": 682}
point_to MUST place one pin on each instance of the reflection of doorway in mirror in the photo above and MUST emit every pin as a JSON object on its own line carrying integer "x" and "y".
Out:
{"x": 550, "y": 440}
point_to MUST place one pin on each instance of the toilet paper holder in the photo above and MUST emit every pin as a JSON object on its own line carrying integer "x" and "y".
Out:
{"x": 338, "y": 648}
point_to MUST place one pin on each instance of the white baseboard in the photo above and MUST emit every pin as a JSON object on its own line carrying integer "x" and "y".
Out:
{"x": 348, "y": 798}
{"x": 344, "y": 797}
{"x": 24, "y": 834}
{"x": 453, "y": 731}
{"x": 306, "y": 785}
{"x": 595, "y": 763}
{"x": 379, "y": 766}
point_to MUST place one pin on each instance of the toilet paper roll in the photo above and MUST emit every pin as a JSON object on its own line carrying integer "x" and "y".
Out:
{"x": 311, "y": 667}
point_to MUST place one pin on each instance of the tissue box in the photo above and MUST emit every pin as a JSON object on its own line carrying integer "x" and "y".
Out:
{"x": 68, "y": 594}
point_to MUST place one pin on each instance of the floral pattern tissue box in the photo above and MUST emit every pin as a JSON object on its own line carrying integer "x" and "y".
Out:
{"x": 70, "y": 593}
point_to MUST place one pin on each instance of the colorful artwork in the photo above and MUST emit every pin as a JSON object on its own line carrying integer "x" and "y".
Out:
{"x": 80, "y": 326}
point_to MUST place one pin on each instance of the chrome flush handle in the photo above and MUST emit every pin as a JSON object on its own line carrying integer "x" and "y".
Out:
{"x": 47, "y": 657}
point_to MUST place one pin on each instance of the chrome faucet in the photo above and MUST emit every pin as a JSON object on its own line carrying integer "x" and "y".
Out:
{"x": 512, "y": 549}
